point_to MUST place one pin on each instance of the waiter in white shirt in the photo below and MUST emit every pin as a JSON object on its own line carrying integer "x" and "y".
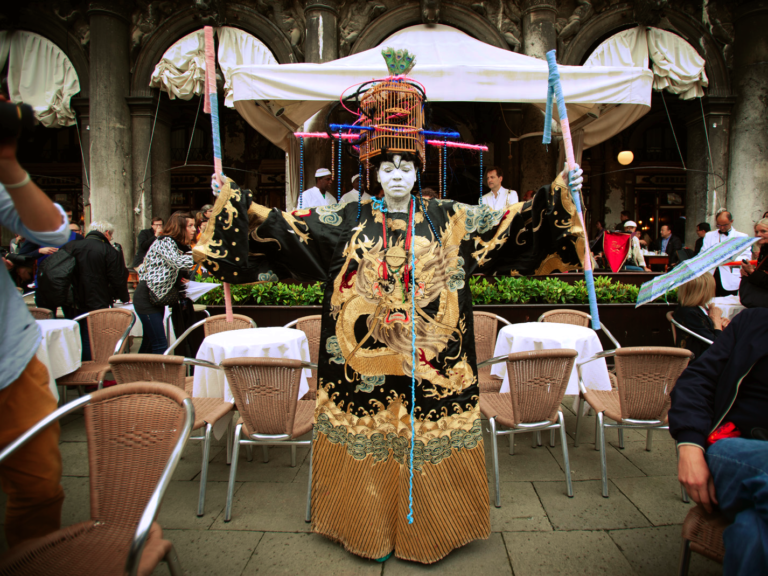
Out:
{"x": 353, "y": 195}
{"x": 499, "y": 197}
{"x": 320, "y": 193}
{"x": 727, "y": 280}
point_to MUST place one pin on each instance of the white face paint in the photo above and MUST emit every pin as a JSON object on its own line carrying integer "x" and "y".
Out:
{"x": 397, "y": 179}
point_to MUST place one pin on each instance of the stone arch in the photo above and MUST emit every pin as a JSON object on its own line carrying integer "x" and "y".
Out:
{"x": 176, "y": 27}
{"x": 621, "y": 17}
{"x": 58, "y": 34}
{"x": 454, "y": 15}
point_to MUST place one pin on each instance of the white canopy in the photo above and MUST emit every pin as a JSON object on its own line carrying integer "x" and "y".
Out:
{"x": 41, "y": 75}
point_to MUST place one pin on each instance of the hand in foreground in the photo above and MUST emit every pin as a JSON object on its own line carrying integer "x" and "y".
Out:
{"x": 48, "y": 250}
{"x": 746, "y": 269}
{"x": 574, "y": 177}
{"x": 693, "y": 473}
{"x": 8, "y": 264}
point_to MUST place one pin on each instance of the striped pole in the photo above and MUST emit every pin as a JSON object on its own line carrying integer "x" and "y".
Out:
{"x": 212, "y": 107}
{"x": 555, "y": 92}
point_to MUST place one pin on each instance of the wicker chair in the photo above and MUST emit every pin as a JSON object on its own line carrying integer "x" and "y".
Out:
{"x": 136, "y": 434}
{"x": 108, "y": 330}
{"x": 310, "y": 325}
{"x": 214, "y": 325}
{"x": 645, "y": 378}
{"x": 486, "y": 327}
{"x": 41, "y": 313}
{"x": 565, "y": 316}
{"x": 266, "y": 394}
{"x": 537, "y": 383}
{"x": 172, "y": 370}
{"x": 703, "y": 534}
{"x": 675, "y": 325}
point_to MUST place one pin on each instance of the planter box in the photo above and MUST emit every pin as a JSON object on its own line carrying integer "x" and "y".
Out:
{"x": 646, "y": 326}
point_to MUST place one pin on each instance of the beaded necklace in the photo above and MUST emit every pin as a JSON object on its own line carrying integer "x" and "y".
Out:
{"x": 395, "y": 257}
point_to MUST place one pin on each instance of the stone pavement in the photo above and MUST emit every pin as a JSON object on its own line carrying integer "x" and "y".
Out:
{"x": 537, "y": 531}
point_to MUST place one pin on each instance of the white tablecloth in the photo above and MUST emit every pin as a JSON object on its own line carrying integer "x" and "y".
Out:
{"x": 253, "y": 343}
{"x": 61, "y": 349}
{"x": 553, "y": 336}
{"x": 729, "y": 305}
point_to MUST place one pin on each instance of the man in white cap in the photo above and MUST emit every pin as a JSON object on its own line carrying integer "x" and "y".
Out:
{"x": 319, "y": 194}
{"x": 635, "y": 261}
{"x": 353, "y": 195}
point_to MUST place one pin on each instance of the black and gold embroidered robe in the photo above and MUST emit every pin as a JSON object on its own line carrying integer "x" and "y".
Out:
{"x": 360, "y": 491}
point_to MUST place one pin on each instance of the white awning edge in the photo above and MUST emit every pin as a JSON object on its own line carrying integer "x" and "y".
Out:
{"x": 41, "y": 75}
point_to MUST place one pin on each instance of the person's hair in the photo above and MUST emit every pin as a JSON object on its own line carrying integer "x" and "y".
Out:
{"x": 199, "y": 218}
{"x": 386, "y": 156}
{"x": 727, "y": 214}
{"x": 704, "y": 226}
{"x": 428, "y": 193}
{"x": 765, "y": 215}
{"x": 625, "y": 213}
{"x": 157, "y": 219}
{"x": 176, "y": 227}
{"x": 668, "y": 226}
{"x": 206, "y": 208}
{"x": 697, "y": 292}
{"x": 101, "y": 226}
{"x": 762, "y": 222}
{"x": 499, "y": 171}
{"x": 601, "y": 222}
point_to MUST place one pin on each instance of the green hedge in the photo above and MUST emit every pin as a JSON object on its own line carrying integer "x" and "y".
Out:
{"x": 500, "y": 290}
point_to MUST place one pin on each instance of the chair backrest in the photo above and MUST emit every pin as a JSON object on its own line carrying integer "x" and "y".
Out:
{"x": 486, "y": 326}
{"x": 564, "y": 316}
{"x": 266, "y": 391}
{"x": 132, "y": 431}
{"x": 645, "y": 377}
{"x": 218, "y": 323}
{"x": 106, "y": 327}
{"x": 129, "y": 368}
{"x": 41, "y": 313}
{"x": 672, "y": 324}
{"x": 310, "y": 325}
{"x": 537, "y": 383}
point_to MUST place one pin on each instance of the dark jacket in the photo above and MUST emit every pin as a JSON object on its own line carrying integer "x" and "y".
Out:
{"x": 100, "y": 273}
{"x": 759, "y": 277}
{"x": 31, "y": 250}
{"x": 694, "y": 318}
{"x": 673, "y": 246}
{"x": 146, "y": 238}
{"x": 706, "y": 390}
{"x": 698, "y": 246}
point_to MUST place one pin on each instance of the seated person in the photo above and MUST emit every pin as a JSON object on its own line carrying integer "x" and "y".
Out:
{"x": 692, "y": 312}
{"x": 724, "y": 394}
{"x": 667, "y": 244}
{"x": 753, "y": 290}
{"x": 635, "y": 261}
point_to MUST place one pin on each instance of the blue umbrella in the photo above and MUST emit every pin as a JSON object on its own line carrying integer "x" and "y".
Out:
{"x": 694, "y": 267}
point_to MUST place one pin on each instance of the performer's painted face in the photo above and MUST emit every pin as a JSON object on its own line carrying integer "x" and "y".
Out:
{"x": 397, "y": 178}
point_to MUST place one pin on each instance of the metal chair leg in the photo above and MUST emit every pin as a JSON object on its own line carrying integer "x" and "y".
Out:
{"x": 621, "y": 438}
{"x": 685, "y": 558}
{"x": 172, "y": 559}
{"x": 293, "y": 455}
{"x": 265, "y": 453}
{"x": 233, "y": 472}
{"x": 204, "y": 469}
{"x": 597, "y": 435}
{"x": 511, "y": 444}
{"x": 552, "y": 438}
{"x": 538, "y": 438}
{"x": 248, "y": 453}
{"x": 566, "y": 460}
{"x": 578, "y": 421}
{"x": 308, "y": 517}
{"x": 603, "y": 465}
{"x": 648, "y": 440}
{"x": 100, "y": 384}
{"x": 684, "y": 494}
{"x": 534, "y": 440}
{"x": 495, "y": 449}
{"x": 230, "y": 431}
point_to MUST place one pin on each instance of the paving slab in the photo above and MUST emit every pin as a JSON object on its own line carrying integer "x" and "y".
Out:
{"x": 205, "y": 553}
{"x": 657, "y": 497}
{"x": 267, "y": 507}
{"x": 660, "y": 461}
{"x": 73, "y": 431}
{"x": 191, "y": 461}
{"x": 527, "y": 464}
{"x": 520, "y": 509}
{"x": 656, "y": 552}
{"x": 585, "y": 462}
{"x": 77, "y": 500}
{"x": 179, "y": 509}
{"x": 588, "y": 510}
{"x": 278, "y": 469}
{"x": 549, "y": 554}
{"x": 74, "y": 457}
{"x": 478, "y": 557}
{"x": 291, "y": 554}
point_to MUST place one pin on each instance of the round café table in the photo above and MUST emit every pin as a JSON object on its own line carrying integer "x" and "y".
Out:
{"x": 553, "y": 336}
{"x": 730, "y": 306}
{"x": 250, "y": 343}
{"x": 60, "y": 349}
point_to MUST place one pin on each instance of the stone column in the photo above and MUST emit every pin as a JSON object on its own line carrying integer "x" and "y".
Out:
{"x": 160, "y": 162}
{"x": 706, "y": 192}
{"x": 322, "y": 42}
{"x": 747, "y": 197}
{"x": 81, "y": 106}
{"x": 537, "y": 163}
{"x": 110, "y": 120}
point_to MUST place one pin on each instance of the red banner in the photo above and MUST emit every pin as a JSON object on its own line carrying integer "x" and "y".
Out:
{"x": 616, "y": 248}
